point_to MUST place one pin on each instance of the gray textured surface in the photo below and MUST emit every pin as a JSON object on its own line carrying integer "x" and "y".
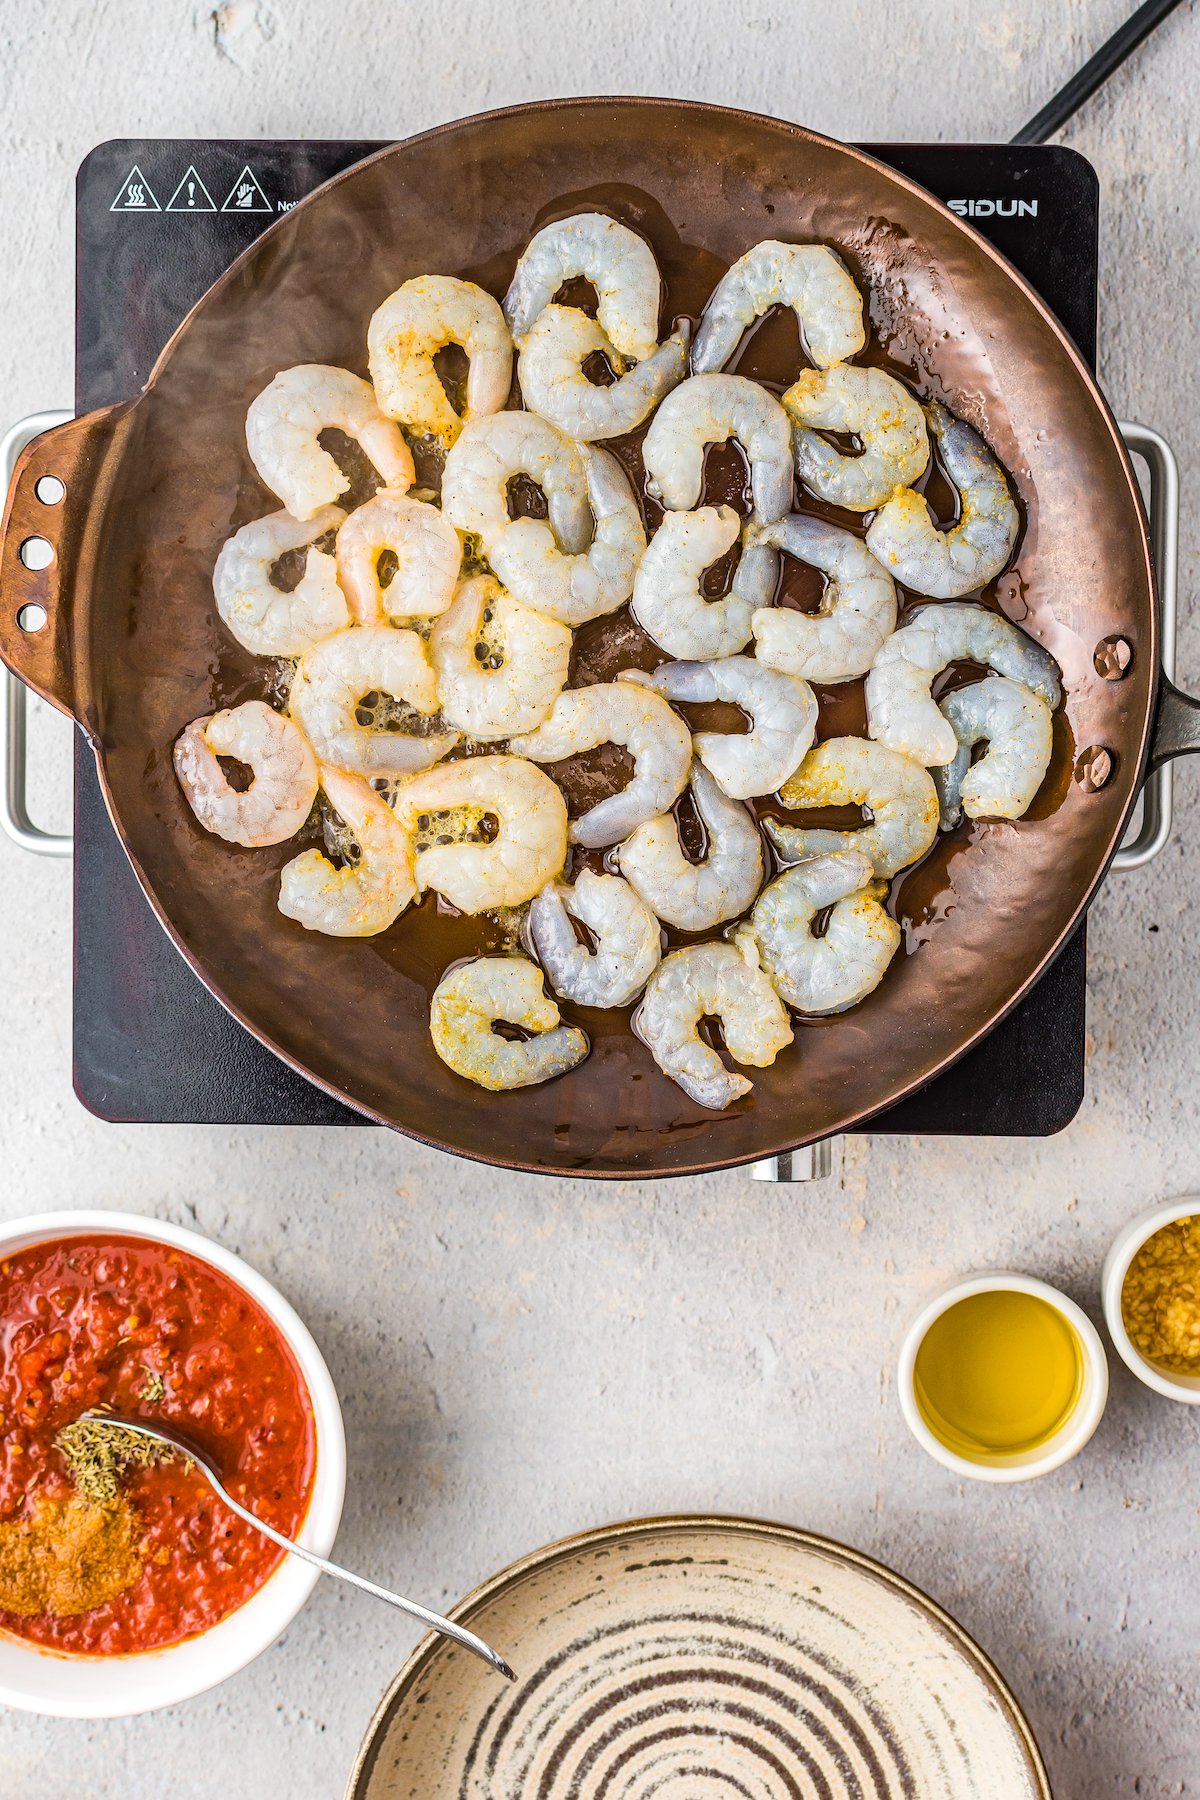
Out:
{"x": 520, "y": 1359}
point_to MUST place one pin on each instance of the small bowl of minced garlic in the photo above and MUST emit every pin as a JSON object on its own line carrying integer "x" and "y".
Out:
{"x": 1151, "y": 1292}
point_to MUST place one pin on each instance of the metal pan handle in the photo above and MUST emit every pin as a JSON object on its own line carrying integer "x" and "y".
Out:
{"x": 1154, "y": 827}
{"x": 55, "y": 497}
{"x": 14, "y": 695}
{"x": 1176, "y": 725}
{"x": 1176, "y": 728}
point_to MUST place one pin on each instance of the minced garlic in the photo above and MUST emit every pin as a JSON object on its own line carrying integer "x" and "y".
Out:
{"x": 1160, "y": 1301}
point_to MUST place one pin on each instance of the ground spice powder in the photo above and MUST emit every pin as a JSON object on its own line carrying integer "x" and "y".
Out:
{"x": 66, "y": 1555}
{"x": 1160, "y": 1301}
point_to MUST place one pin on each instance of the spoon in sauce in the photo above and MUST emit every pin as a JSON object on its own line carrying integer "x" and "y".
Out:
{"x": 181, "y": 1446}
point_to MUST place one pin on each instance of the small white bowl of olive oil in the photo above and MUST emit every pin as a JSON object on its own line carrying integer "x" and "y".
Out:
{"x": 1002, "y": 1377}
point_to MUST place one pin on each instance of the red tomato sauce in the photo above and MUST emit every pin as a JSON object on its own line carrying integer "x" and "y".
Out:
{"x": 105, "y": 1320}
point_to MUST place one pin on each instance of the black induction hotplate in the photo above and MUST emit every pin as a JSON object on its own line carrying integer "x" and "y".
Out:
{"x": 157, "y": 222}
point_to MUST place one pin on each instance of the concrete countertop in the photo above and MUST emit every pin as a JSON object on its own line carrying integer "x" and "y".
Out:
{"x": 520, "y": 1358}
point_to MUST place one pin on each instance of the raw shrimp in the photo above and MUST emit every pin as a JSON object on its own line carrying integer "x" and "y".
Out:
{"x": 900, "y": 710}
{"x": 576, "y": 588}
{"x": 406, "y": 332}
{"x": 709, "y": 409}
{"x": 528, "y": 850}
{"x": 713, "y": 980}
{"x": 489, "y": 453}
{"x": 1018, "y": 728}
{"x": 626, "y": 932}
{"x": 617, "y": 712}
{"x": 554, "y": 383}
{"x": 783, "y": 718}
{"x": 499, "y": 666}
{"x": 811, "y": 279}
{"x": 278, "y": 800}
{"x": 826, "y": 974}
{"x": 263, "y": 618}
{"x": 284, "y": 425}
{"x": 469, "y": 1001}
{"x": 945, "y": 564}
{"x": 427, "y": 552}
{"x": 857, "y": 613}
{"x": 852, "y": 771}
{"x": 365, "y": 896}
{"x": 695, "y": 896}
{"x": 619, "y": 264}
{"x": 876, "y": 410}
{"x": 667, "y": 601}
{"x": 334, "y": 678}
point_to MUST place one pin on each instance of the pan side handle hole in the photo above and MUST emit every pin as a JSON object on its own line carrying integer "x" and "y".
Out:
{"x": 50, "y": 490}
{"x": 32, "y": 618}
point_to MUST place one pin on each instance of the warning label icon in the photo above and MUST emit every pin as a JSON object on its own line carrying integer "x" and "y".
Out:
{"x": 191, "y": 195}
{"x": 135, "y": 194}
{"x": 246, "y": 195}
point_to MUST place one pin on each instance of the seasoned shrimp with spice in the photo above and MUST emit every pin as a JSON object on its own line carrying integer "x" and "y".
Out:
{"x": 618, "y": 263}
{"x": 279, "y": 798}
{"x": 811, "y": 279}
{"x": 574, "y": 588}
{"x": 469, "y": 1001}
{"x": 714, "y": 981}
{"x": 855, "y": 618}
{"x": 335, "y": 678}
{"x": 711, "y": 409}
{"x": 424, "y": 546}
{"x": 500, "y": 667}
{"x": 873, "y": 408}
{"x": 625, "y": 713}
{"x": 488, "y": 455}
{"x": 265, "y": 619}
{"x": 668, "y": 602}
{"x": 554, "y": 380}
{"x": 696, "y": 896}
{"x": 626, "y": 942}
{"x": 283, "y": 436}
{"x": 826, "y": 974}
{"x": 1018, "y": 729}
{"x": 847, "y": 771}
{"x": 782, "y": 710}
{"x": 365, "y": 895}
{"x": 422, "y": 317}
{"x": 447, "y": 809}
{"x": 901, "y": 711}
{"x": 946, "y": 564}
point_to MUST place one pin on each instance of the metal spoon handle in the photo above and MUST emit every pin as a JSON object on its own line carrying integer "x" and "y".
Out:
{"x": 446, "y": 1626}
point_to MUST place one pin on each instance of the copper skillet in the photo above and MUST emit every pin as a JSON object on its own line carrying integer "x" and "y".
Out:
{"x": 132, "y": 649}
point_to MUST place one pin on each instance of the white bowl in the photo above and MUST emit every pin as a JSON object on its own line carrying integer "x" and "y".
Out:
{"x": 1069, "y": 1440}
{"x": 107, "y": 1687}
{"x": 1125, "y": 1247}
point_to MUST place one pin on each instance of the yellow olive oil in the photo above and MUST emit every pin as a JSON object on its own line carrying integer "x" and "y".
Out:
{"x": 998, "y": 1374}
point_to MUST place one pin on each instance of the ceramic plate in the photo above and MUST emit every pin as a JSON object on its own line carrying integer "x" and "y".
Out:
{"x": 702, "y": 1659}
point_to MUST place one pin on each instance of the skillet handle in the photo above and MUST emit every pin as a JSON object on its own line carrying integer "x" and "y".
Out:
{"x": 1176, "y": 729}
{"x": 1176, "y": 725}
{"x": 54, "y": 504}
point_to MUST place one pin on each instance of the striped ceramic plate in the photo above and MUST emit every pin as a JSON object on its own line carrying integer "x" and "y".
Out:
{"x": 702, "y": 1659}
